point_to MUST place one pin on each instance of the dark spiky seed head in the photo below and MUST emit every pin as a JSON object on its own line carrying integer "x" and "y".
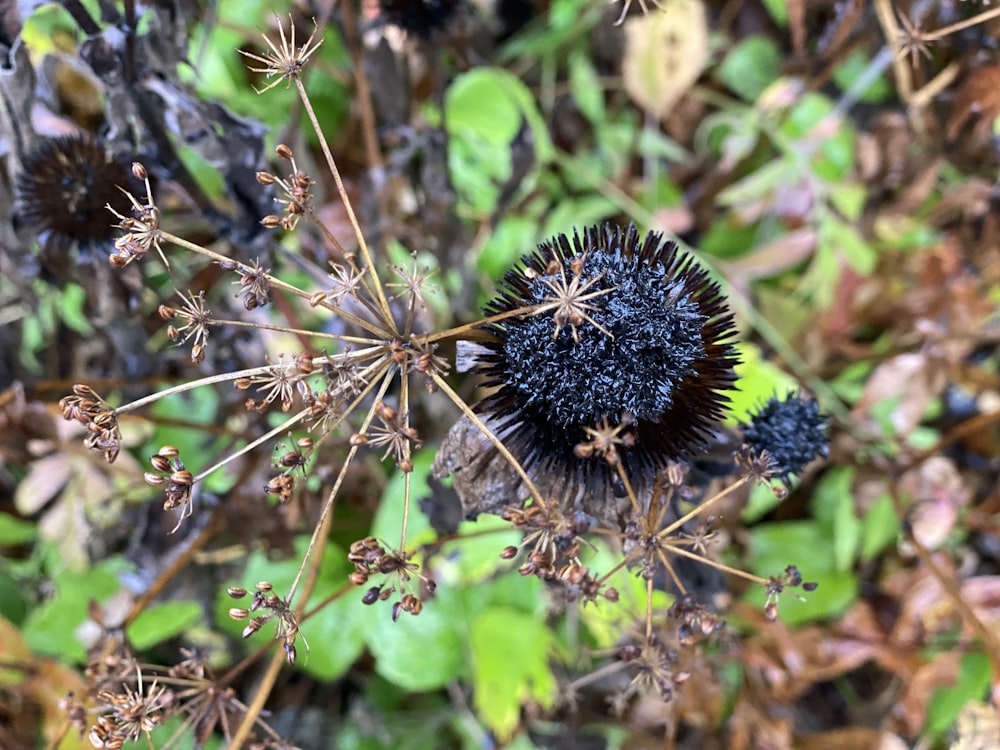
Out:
{"x": 65, "y": 186}
{"x": 420, "y": 17}
{"x": 653, "y": 343}
{"x": 792, "y": 430}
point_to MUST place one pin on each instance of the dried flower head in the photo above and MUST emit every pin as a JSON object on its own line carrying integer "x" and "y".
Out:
{"x": 792, "y": 431}
{"x": 64, "y": 188}
{"x": 613, "y": 329}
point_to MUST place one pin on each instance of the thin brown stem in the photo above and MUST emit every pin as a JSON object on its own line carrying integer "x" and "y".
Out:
{"x": 140, "y": 604}
{"x": 383, "y": 303}
{"x": 497, "y": 443}
{"x": 342, "y": 475}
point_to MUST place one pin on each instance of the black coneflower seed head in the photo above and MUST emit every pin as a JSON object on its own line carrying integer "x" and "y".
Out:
{"x": 630, "y": 329}
{"x": 792, "y": 430}
{"x": 65, "y": 186}
{"x": 420, "y": 17}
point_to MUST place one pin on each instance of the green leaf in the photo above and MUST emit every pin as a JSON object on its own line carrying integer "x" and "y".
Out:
{"x": 578, "y": 212}
{"x": 51, "y": 627}
{"x": 14, "y": 530}
{"x": 335, "y": 634}
{"x": 847, "y": 241}
{"x": 807, "y": 545}
{"x": 13, "y": 606}
{"x": 849, "y": 199}
{"x": 71, "y": 309}
{"x": 159, "y": 622}
{"x": 762, "y": 501}
{"x": 846, "y": 531}
{"x": 974, "y": 675}
{"x": 758, "y": 380}
{"x": 423, "y": 652}
{"x": 585, "y": 87}
{"x": 761, "y": 183}
{"x": 833, "y": 507}
{"x": 879, "y": 528}
{"x": 485, "y": 110}
{"x": 513, "y": 237}
{"x": 852, "y": 69}
{"x": 751, "y": 67}
{"x": 510, "y": 667}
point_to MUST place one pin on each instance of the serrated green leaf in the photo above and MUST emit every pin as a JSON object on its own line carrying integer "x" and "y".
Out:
{"x": 510, "y": 667}
{"x": 424, "y": 652}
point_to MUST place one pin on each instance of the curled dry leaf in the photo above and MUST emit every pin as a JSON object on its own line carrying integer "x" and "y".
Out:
{"x": 665, "y": 52}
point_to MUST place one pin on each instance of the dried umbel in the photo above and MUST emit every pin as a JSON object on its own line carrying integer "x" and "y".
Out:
{"x": 615, "y": 331}
{"x": 65, "y": 186}
{"x": 791, "y": 430}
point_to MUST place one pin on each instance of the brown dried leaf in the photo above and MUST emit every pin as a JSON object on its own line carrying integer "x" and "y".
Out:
{"x": 938, "y": 492}
{"x": 665, "y": 52}
{"x": 914, "y": 378}
{"x": 978, "y": 95}
{"x": 773, "y": 257}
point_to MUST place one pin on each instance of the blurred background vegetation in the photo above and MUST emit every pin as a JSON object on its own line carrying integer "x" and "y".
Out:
{"x": 833, "y": 163}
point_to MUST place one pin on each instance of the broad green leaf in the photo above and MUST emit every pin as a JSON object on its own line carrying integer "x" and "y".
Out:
{"x": 510, "y": 667}
{"x": 807, "y": 545}
{"x": 762, "y": 501}
{"x": 750, "y": 67}
{"x": 158, "y": 622}
{"x": 849, "y": 199}
{"x": 71, "y": 309}
{"x": 335, "y": 634}
{"x": 513, "y": 237}
{"x": 426, "y": 651}
{"x": 485, "y": 109}
{"x": 51, "y": 627}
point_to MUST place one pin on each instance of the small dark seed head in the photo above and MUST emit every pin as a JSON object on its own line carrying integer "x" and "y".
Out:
{"x": 791, "y": 430}
{"x": 65, "y": 187}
